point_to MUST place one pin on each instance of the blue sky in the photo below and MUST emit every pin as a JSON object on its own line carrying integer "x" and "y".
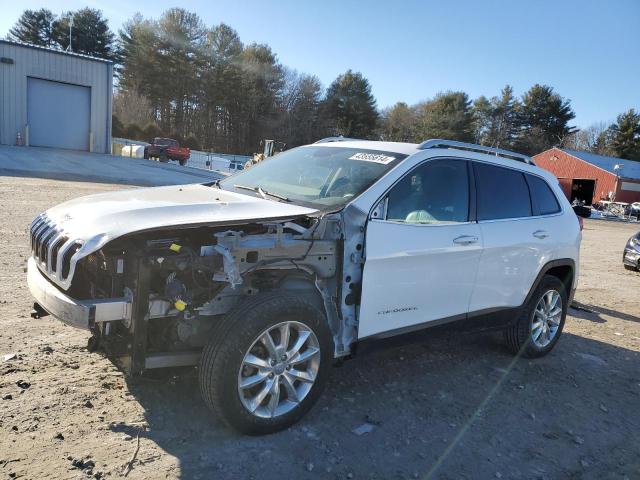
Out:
{"x": 410, "y": 50}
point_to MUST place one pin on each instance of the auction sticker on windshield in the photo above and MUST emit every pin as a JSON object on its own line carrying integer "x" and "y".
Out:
{"x": 372, "y": 157}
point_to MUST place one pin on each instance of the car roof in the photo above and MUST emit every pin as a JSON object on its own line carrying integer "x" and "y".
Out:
{"x": 393, "y": 147}
{"x": 411, "y": 148}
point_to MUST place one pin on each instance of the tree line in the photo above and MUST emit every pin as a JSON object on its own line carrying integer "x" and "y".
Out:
{"x": 537, "y": 121}
{"x": 202, "y": 85}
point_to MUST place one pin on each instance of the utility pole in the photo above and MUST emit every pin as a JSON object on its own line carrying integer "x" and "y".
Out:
{"x": 617, "y": 171}
{"x": 70, "y": 26}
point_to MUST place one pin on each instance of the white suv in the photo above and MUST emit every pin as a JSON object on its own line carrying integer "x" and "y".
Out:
{"x": 264, "y": 278}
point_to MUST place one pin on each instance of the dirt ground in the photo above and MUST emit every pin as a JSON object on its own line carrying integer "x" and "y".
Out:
{"x": 447, "y": 406}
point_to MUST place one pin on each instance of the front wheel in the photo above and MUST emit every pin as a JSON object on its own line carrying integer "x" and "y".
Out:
{"x": 267, "y": 364}
{"x": 183, "y": 162}
{"x": 540, "y": 324}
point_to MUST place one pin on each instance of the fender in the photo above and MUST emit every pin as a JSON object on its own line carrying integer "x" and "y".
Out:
{"x": 568, "y": 282}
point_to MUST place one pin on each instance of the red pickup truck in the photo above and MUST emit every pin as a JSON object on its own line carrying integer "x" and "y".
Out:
{"x": 165, "y": 149}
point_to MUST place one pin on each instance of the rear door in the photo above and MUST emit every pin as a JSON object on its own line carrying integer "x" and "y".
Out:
{"x": 422, "y": 256}
{"x": 517, "y": 243}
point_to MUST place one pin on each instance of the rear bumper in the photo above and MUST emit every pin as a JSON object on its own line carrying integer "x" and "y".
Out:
{"x": 77, "y": 313}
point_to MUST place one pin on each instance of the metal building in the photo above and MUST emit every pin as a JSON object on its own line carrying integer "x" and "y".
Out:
{"x": 50, "y": 98}
{"x": 589, "y": 177}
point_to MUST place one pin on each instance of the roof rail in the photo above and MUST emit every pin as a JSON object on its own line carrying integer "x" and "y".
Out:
{"x": 471, "y": 147}
{"x": 336, "y": 139}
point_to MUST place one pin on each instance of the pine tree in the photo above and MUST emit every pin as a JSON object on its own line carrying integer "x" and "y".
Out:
{"x": 220, "y": 76}
{"x": 544, "y": 120}
{"x": 90, "y": 34}
{"x": 482, "y": 112}
{"x": 349, "y": 106}
{"x": 398, "y": 123}
{"x": 496, "y": 120}
{"x": 34, "y": 27}
{"x": 262, "y": 80}
{"x": 626, "y": 135}
{"x": 447, "y": 116}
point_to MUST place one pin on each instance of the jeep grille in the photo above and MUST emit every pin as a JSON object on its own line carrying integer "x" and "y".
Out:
{"x": 52, "y": 249}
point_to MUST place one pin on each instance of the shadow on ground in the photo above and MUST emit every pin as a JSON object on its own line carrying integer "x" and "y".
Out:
{"x": 594, "y": 313}
{"x": 445, "y": 406}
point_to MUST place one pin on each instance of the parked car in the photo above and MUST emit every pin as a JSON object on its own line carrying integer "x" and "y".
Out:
{"x": 631, "y": 254}
{"x": 263, "y": 279}
{"x": 165, "y": 149}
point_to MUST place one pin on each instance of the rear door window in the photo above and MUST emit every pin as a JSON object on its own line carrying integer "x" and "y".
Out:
{"x": 543, "y": 200}
{"x": 501, "y": 193}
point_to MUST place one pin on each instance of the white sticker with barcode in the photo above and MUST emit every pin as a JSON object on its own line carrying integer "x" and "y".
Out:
{"x": 372, "y": 157}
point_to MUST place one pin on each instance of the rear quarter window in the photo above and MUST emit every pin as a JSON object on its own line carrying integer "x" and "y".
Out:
{"x": 501, "y": 193}
{"x": 543, "y": 200}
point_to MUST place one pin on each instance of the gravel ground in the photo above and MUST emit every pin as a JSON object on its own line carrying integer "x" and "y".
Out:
{"x": 446, "y": 406}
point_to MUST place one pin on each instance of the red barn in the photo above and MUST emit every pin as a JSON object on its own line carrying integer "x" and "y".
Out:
{"x": 590, "y": 177}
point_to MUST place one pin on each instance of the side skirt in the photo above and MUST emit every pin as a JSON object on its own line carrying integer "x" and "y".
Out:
{"x": 482, "y": 320}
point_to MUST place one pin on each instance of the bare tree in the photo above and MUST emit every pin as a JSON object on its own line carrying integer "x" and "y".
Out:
{"x": 595, "y": 139}
{"x": 131, "y": 107}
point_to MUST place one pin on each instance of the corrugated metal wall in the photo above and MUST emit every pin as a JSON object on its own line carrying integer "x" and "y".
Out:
{"x": 567, "y": 167}
{"x": 628, "y": 191}
{"x": 55, "y": 66}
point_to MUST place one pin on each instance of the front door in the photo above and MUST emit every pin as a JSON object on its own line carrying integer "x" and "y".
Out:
{"x": 422, "y": 256}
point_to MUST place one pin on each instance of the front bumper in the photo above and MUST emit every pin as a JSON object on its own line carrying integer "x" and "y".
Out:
{"x": 631, "y": 257}
{"x": 77, "y": 313}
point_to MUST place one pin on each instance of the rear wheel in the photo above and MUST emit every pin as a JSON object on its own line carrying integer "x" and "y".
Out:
{"x": 267, "y": 364}
{"x": 183, "y": 162}
{"x": 540, "y": 324}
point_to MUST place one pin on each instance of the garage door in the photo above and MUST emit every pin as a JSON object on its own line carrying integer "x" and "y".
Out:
{"x": 58, "y": 114}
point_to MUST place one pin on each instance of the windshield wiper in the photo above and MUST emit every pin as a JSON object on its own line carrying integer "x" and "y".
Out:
{"x": 263, "y": 193}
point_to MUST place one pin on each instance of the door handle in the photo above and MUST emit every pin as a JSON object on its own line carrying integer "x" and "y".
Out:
{"x": 541, "y": 234}
{"x": 465, "y": 240}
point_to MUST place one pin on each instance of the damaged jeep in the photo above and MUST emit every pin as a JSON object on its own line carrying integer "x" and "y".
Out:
{"x": 265, "y": 278}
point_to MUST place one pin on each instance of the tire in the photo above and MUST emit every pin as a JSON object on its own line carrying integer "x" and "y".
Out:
{"x": 223, "y": 363}
{"x": 146, "y": 154}
{"x": 93, "y": 343}
{"x": 163, "y": 157}
{"x": 520, "y": 336}
{"x": 183, "y": 162}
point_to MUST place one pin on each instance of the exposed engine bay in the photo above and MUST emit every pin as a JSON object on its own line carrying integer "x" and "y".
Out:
{"x": 183, "y": 280}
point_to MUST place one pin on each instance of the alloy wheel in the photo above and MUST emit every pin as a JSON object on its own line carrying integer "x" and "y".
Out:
{"x": 546, "y": 318}
{"x": 279, "y": 369}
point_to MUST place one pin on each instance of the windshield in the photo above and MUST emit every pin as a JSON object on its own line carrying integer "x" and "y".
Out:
{"x": 323, "y": 177}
